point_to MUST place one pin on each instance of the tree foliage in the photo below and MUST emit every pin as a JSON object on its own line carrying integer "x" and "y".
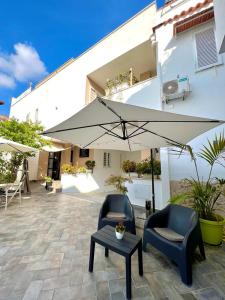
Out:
{"x": 26, "y": 133}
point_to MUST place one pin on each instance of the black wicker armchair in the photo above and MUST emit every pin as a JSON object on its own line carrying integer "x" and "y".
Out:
{"x": 117, "y": 208}
{"x": 176, "y": 232}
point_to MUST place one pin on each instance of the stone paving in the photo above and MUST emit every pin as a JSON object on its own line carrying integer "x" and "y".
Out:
{"x": 44, "y": 253}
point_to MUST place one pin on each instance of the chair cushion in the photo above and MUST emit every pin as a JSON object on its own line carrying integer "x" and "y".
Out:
{"x": 169, "y": 234}
{"x": 115, "y": 215}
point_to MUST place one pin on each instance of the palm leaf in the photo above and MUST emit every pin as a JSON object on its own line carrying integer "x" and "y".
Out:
{"x": 212, "y": 152}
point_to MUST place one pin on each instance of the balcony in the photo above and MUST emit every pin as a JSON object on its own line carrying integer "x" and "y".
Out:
{"x": 130, "y": 78}
{"x": 145, "y": 93}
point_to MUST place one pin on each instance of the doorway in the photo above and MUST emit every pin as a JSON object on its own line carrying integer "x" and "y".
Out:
{"x": 54, "y": 159}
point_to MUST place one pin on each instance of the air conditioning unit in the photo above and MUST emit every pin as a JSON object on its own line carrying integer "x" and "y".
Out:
{"x": 177, "y": 89}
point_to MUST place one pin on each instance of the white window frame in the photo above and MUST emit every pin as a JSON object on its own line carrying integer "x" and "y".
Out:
{"x": 108, "y": 159}
{"x": 219, "y": 56}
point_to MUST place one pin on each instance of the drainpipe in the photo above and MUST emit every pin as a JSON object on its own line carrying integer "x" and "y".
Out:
{"x": 164, "y": 155}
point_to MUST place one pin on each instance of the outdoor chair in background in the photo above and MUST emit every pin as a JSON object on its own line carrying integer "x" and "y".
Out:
{"x": 175, "y": 231}
{"x": 117, "y": 208}
{"x": 10, "y": 190}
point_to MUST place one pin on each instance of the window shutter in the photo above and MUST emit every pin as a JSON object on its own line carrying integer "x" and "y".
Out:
{"x": 206, "y": 48}
{"x": 93, "y": 94}
{"x": 107, "y": 159}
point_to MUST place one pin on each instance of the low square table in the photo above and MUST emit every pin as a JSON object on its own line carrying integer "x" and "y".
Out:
{"x": 125, "y": 247}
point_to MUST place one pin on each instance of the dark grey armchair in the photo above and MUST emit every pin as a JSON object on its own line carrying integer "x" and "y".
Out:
{"x": 117, "y": 208}
{"x": 176, "y": 232}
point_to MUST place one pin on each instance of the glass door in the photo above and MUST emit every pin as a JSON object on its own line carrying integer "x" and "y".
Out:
{"x": 54, "y": 159}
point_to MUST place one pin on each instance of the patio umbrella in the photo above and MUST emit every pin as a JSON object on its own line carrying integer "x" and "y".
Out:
{"x": 10, "y": 146}
{"x": 105, "y": 124}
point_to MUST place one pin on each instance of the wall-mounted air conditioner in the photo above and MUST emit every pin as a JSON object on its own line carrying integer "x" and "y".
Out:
{"x": 177, "y": 89}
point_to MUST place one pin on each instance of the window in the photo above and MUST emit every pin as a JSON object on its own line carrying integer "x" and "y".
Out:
{"x": 107, "y": 159}
{"x": 84, "y": 152}
{"x": 93, "y": 94}
{"x": 206, "y": 52}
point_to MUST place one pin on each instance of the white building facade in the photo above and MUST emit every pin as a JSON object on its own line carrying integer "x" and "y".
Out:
{"x": 158, "y": 47}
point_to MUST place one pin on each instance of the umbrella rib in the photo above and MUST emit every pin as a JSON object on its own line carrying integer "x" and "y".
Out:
{"x": 81, "y": 127}
{"x": 110, "y": 131}
{"x": 101, "y": 136}
{"x": 159, "y": 135}
{"x": 128, "y": 141}
{"x": 95, "y": 140}
{"x": 100, "y": 100}
{"x": 139, "y": 127}
{"x": 131, "y": 136}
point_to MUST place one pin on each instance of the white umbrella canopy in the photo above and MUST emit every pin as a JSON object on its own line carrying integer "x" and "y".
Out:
{"x": 10, "y": 146}
{"x": 53, "y": 148}
{"x": 105, "y": 124}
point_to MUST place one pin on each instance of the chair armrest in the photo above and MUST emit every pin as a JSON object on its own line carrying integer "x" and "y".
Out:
{"x": 129, "y": 211}
{"x": 158, "y": 219}
{"x": 192, "y": 236}
{"x": 104, "y": 210}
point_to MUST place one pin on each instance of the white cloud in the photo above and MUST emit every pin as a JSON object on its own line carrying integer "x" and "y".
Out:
{"x": 7, "y": 81}
{"x": 23, "y": 65}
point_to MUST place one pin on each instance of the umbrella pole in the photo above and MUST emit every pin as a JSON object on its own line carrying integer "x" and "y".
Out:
{"x": 153, "y": 183}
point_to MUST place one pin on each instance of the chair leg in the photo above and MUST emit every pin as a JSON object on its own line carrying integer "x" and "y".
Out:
{"x": 202, "y": 249}
{"x": 20, "y": 196}
{"x": 186, "y": 272}
{"x": 134, "y": 229}
{"x": 144, "y": 244}
{"x": 6, "y": 200}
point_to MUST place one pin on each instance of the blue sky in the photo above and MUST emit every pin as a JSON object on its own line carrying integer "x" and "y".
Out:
{"x": 36, "y": 37}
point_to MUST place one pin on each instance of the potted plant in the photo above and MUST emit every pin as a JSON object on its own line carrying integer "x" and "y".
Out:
{"x": 119, "y": 230}
{"x": 48, "y": 182}
{"x": 82, "y": 170}
{"x": 120, "y": 82}
{"x": 129, "y": 166}
{"x": 90, "y": 164}
{"x": 118, "y": 182}
{"x": 157, "y": 168}
{"x": 139, "y": 169}
{"x": 203, "y": 195}
{"x": 69, "y": 169}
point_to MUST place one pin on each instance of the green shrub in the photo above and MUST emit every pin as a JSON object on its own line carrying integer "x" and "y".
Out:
{"x": 82, "y": 170}
{"x": 68, "y": 169}
{"x": 129, "y": 166}
{"x": 90, "y": 164}
{"x": 118, "y": 183}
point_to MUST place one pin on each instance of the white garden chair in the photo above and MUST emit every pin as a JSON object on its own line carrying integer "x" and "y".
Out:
{"x": 11, "y": 190}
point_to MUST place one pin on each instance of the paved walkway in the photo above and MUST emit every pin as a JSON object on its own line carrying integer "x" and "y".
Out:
{"x": 44, "y": 252}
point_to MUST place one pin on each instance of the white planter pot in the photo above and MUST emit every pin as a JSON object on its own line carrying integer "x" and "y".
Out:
{"x": 119, "y": 235}
{"x": 123, "y": 86}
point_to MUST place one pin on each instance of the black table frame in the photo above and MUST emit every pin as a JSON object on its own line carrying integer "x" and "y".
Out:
{"x": 125, "y": 247}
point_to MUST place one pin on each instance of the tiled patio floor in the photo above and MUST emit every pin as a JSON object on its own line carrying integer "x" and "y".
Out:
{"x": 44, "y": 252}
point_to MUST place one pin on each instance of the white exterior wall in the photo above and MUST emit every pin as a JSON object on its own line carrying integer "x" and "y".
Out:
{"x": 219, "y": 9}
{"x": 145, "y": 94}
{"x": 176, "y": 56}
{"x": 64, "y": 94}
{"x": 102, "y": 173}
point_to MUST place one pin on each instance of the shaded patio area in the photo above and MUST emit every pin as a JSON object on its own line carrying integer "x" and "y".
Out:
{"x": 44, "y": 254}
